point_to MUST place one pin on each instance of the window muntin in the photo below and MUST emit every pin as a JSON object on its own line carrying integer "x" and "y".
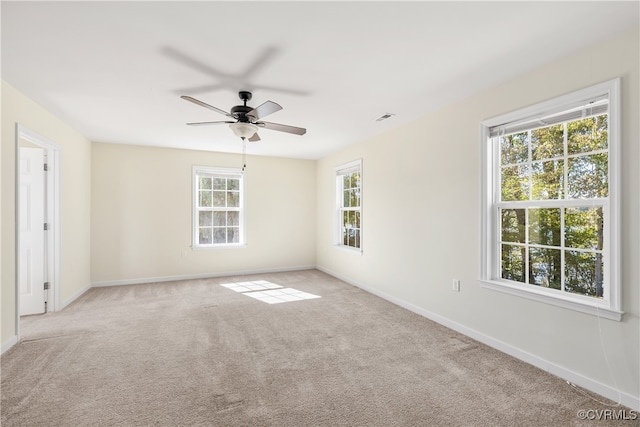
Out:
{"x": 217, "y": 207}
{"x": 550, "y": 200}
{"x": 555, "y": 246}
{"x": 349, "y": 202}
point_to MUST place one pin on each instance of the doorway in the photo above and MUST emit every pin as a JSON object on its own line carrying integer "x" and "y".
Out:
{"x": 37, "y": 223}
{"x": 32, "y": 270}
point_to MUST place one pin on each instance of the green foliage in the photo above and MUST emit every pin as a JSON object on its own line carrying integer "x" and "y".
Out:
{"x": 547, "y": 143}
{"x": 351, "y": 190}
{"x": 351, "y": 218}
{"x": 514, "y": 148}
{"x": 582, "y": 227}
{"x": 513, "y": 225}
{"x": 588, "y": 176}
{"x": 533, "y": 167}
{"x": 547, "y": 179}
{"x": 513, "y": 267}
{"x": 515, "y": 183}
{"x": 586, "y": 135}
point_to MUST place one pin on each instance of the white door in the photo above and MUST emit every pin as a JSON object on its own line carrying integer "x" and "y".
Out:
{"x": 32, "y": 235}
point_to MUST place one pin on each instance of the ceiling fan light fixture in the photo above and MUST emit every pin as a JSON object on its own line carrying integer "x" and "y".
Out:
{"x": 243, "y": 130}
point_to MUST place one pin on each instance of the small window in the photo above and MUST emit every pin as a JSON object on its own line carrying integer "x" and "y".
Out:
{"x": 550, "y": 228}
{"x": 349, "y": 205}
{"x": 217, "y": 207}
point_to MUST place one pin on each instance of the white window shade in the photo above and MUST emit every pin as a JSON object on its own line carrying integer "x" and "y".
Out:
{"x": 583, "y": 109}
{"x": 348, "y": 169}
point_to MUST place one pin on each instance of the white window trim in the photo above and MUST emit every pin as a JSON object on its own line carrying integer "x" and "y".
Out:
{"x": 356, "y": 164}
{"x": 610, "y": 308}
{"x": 194, "y": 201}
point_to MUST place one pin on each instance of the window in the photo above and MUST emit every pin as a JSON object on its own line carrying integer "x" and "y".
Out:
{"x": 550, "y": 201}
{"x": 218, "y": 201}
{"x": 349, "y": 204}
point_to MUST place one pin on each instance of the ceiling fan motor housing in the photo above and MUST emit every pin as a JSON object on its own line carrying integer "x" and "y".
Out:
{"x": 240, "y": 112}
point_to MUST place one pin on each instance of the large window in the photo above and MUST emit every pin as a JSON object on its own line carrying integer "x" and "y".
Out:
{"x": 550, "y": 201}
{"x": 218, "y": 202}
{"x": 349, "y": 204}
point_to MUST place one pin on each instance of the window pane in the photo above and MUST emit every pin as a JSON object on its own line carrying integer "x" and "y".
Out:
{"x": 345, "y": 218}
{"x": 357, "y": 240}
{"x": 544, "y": 227}
{"x": 352, "y": 219}
{"x": 352, "y": 237}
{"x": 205, "y": 218}
{"x": 233, "y": 234}
{"x": 233, "y": 218}
{"x": 233, "y": 199}
{"x": 355, "y": 180}
{"x": 584, "y": 228}
{"x": 513, "y": 225}
{"x": 588, "y": 134}
{"x": 547, "y": 143}
{"x": 233, "y": 184}
{"x": 219, "y": 219}
{"x": 515, "y": 183}
{"x": 345, "y": 237}
{"x": 514, "y": 148}
{"x": 346, "y": 182}
{"x": 584, "y": 272}
{"x": 204, "y": 236}
{"x": 204, "y": 199}
{"x": 545, "y": 267}
{"x": 219, "y": 183}
{"x": 219, "y": 199}
{"x": 547, "y": 178}
{"x": 204, "y": 183}
{"x": 356, "y": 223}
{"x": 220, "y": 235}
{"x": 513, "y": 263}
{"x": 588, "y": 176}
{"x": 354, "y": 196}
{"x": 346, "y": 198}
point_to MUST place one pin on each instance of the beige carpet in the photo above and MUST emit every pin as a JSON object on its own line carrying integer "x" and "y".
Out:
{"x": 194, "y": 353}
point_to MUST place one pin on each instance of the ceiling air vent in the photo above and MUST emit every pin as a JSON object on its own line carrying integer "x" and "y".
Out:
{"x": 385, "y": 116}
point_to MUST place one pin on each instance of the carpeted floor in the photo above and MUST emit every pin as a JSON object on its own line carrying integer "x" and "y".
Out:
{"x": 194, "y": 353}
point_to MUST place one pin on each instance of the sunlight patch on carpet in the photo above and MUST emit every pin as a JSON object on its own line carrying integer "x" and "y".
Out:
{"x": 268, "y": 292}
{"x": 276, "y": 296}
{"x": 256, "y": 285}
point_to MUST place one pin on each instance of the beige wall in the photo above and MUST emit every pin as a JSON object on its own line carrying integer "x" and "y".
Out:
{"x": 126, "y": 215}
{"x": 75, "y": 200}
{"x": 421, "y": 219}
{"x": 141, "y": 214}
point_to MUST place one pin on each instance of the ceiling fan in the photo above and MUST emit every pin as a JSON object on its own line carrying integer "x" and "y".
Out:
{"x": 247, "y": 119}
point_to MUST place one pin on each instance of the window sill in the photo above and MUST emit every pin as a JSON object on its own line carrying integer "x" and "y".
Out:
{"x": 542, "y": 296}
{"x": 218, "y": 247}
{"x": 355, "y": 251}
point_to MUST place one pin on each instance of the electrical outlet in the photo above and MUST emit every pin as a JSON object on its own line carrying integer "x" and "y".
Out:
{"x": 456, "y": 285}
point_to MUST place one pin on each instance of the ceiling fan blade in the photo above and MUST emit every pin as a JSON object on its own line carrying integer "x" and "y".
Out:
{"x": 208, "y": 123}
{"x": 205, "y": 105}
{"x": 282, "y": 128}
{"x": 264, "y": 110}
{"x": 254, "y": 138}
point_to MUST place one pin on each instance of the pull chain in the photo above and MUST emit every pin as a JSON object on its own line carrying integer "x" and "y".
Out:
{"x": 244, "y": 154}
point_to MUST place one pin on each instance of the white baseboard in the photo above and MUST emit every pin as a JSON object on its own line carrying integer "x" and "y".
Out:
{"x": 75, "y": 296}
{"x": 200, "y": 276}
{"x": 566, "y": 374}
{"x": 8, "y": 344}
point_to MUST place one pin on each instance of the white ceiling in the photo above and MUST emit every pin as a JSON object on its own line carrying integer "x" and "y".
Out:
{"x": 115, "y": 70}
